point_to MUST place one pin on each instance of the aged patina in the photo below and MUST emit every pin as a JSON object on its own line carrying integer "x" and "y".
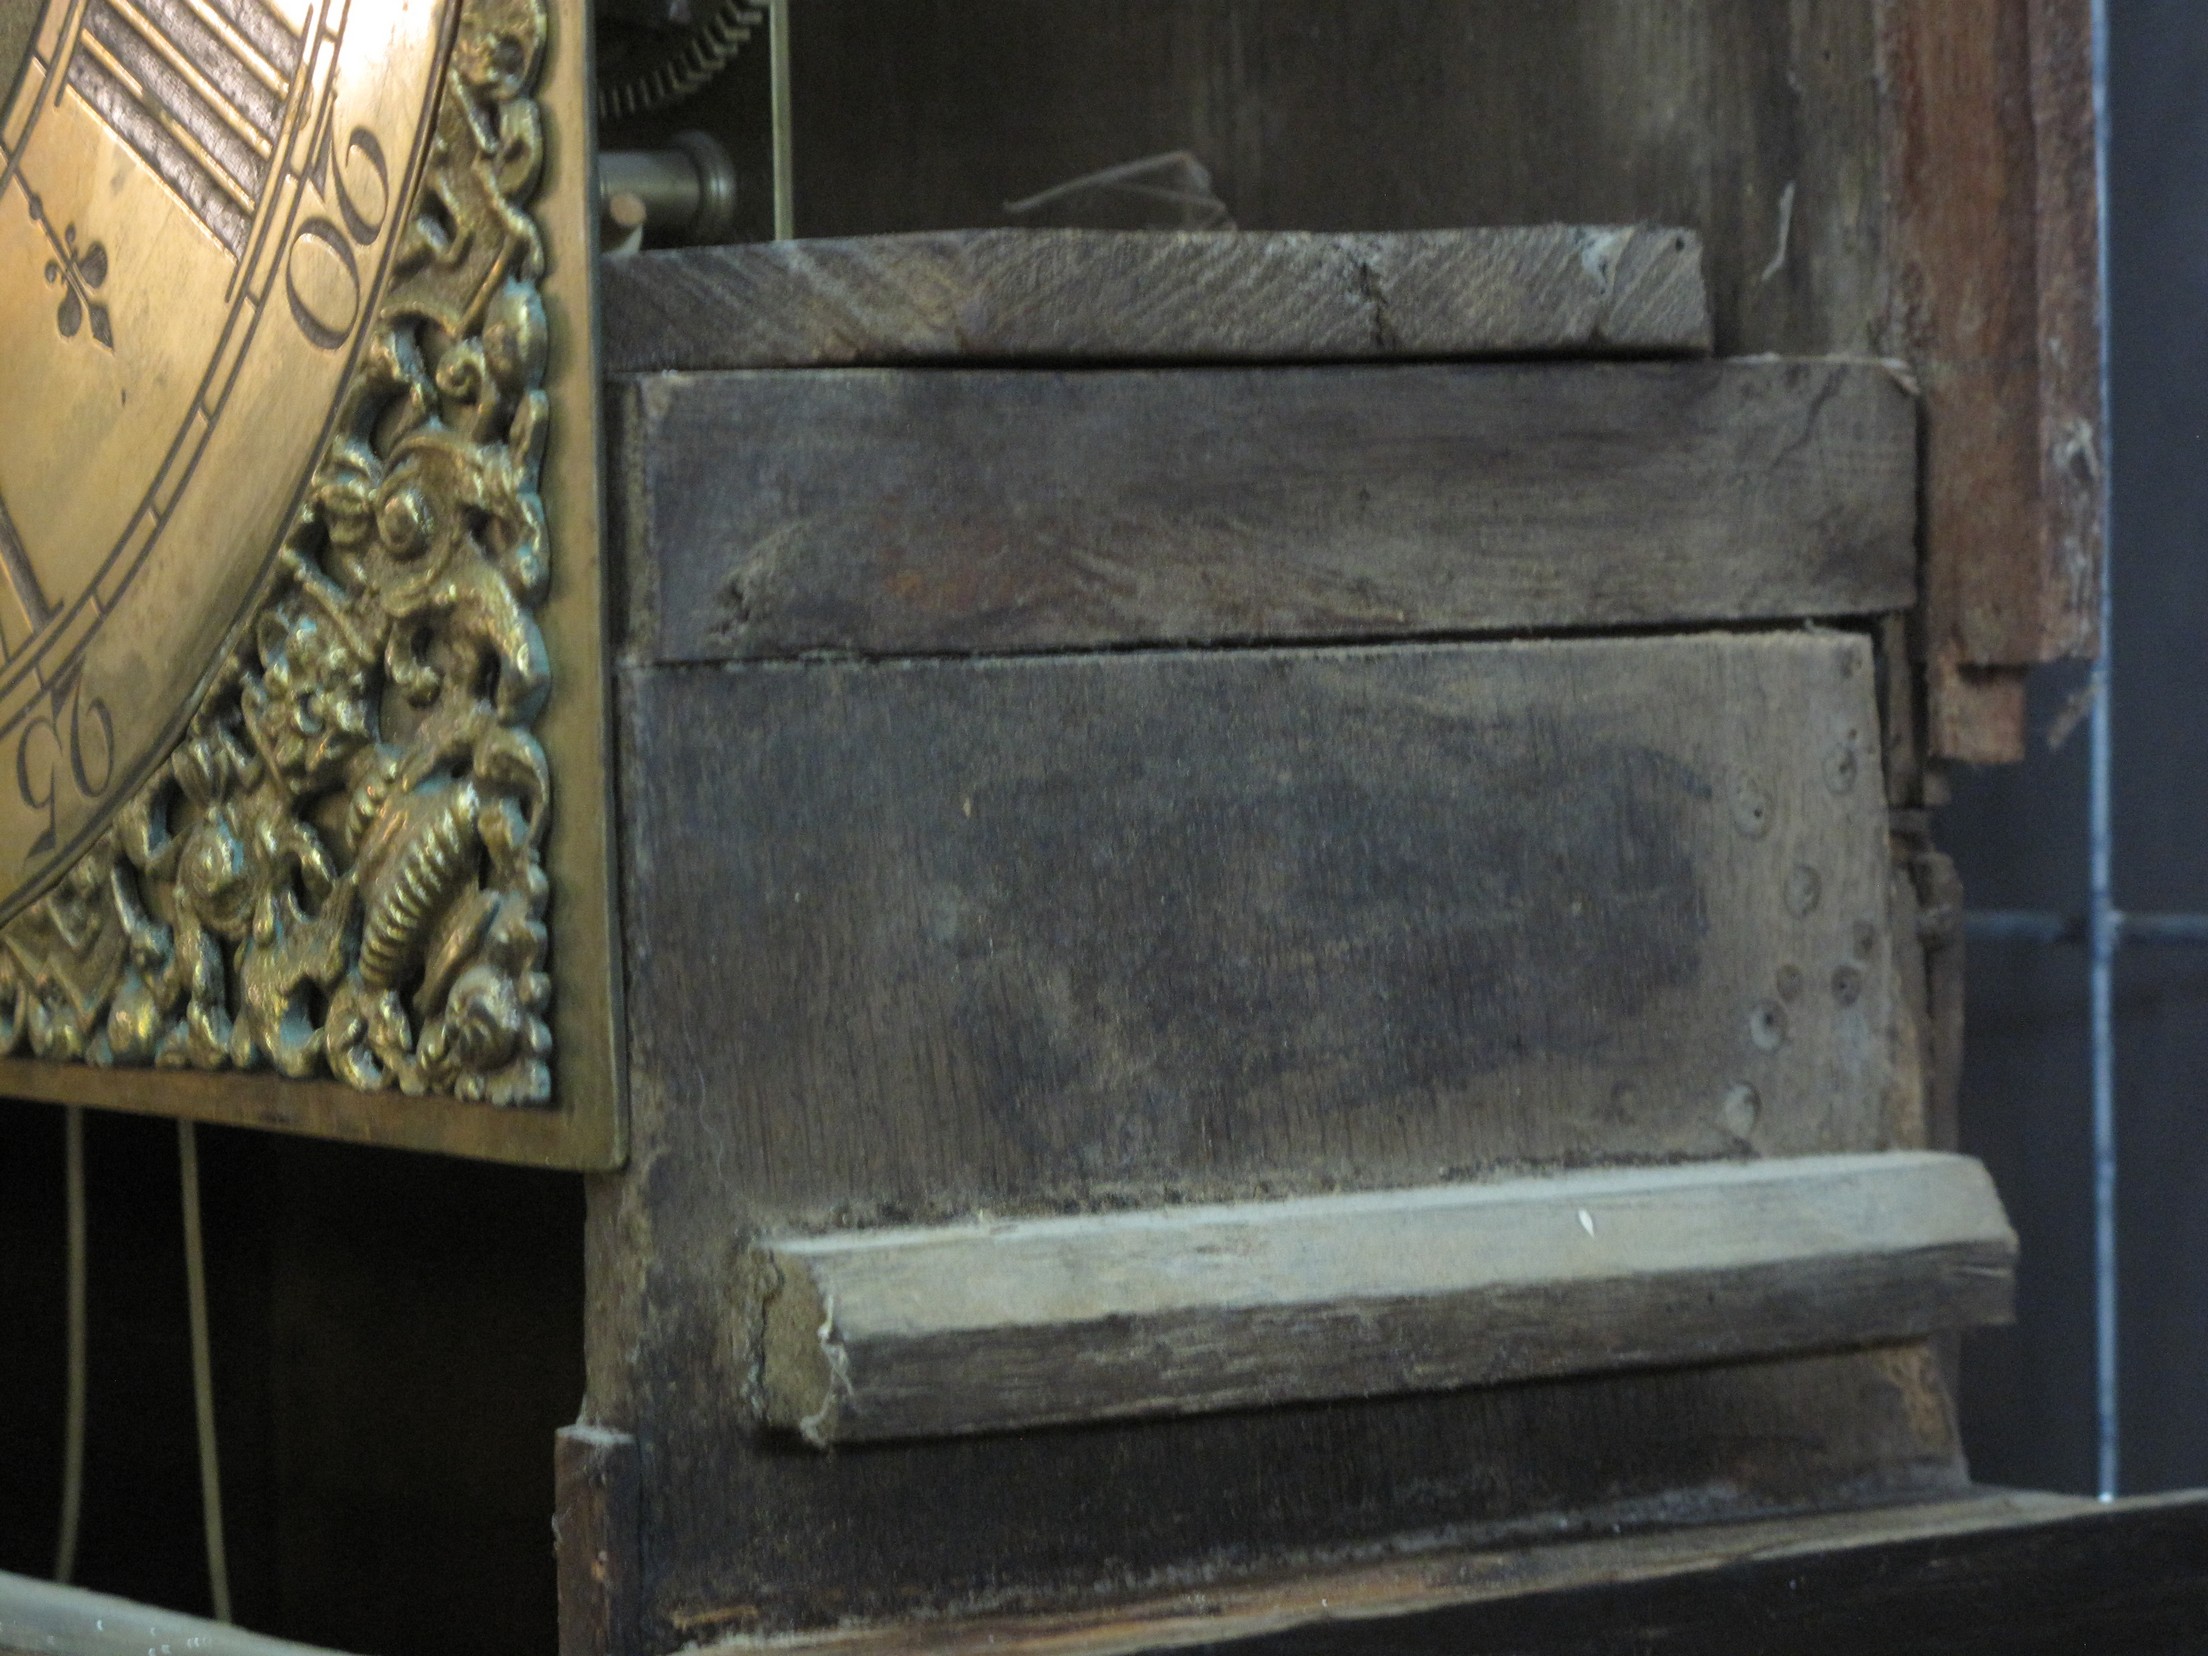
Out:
{"x": 273, "y": 653}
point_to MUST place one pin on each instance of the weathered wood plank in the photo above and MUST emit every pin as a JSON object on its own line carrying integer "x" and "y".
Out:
{"x": 1058, "y": 933}
{"x": 926, "y": 936}
{"x": 2072, "y": 418}
{"x": 1991, "y": 1575}
{"x": 1993, "y": 199}
{"x": 910, "y": 511}
{"x": 1151, "y": 296}
{"x": 988, "y": 1326}
{"x": 1993, "y": 192}
{"x": 745, "y": 1536}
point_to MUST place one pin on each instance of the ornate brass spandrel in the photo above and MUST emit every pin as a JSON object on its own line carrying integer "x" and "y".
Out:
{"x": 334, "y": 863}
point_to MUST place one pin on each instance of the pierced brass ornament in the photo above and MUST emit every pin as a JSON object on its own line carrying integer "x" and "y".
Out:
{"x": 280, "y": 595}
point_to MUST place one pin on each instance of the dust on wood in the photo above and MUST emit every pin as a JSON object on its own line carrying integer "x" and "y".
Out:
{"x": 1159, "y": 296}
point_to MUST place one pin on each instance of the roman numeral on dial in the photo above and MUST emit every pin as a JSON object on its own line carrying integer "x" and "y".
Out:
{"x": 21, "y": 584}
{"x": 197, "y": 89}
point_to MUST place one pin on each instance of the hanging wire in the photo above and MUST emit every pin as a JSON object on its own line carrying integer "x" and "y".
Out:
{"x": 778, "y": 70}
{"x": 72, "y": 1431}
{"x": 203, "y": 1378}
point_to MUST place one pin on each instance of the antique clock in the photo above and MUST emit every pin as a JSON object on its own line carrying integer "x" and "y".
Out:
{"x": 300, "y": 643}
{"x": 1236, "y": 920}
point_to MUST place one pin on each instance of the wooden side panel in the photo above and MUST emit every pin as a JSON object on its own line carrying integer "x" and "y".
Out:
{"x": 919, "y": 511}
{"x": 595, "y": 1533}
{"x": 2072, "y": 420}
{"x": 911, "y": 940}
{"x": 1993, "y": 193}
{"x": 1159, "y": 296}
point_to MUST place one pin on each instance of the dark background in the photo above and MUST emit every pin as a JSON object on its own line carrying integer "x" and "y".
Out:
{"x": 2019, "y": 837}
{"x": 396, "y": 1338}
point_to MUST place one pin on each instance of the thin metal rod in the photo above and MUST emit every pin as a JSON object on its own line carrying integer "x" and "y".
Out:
{"x": 2022, "y": 926}
{"x": 778, "y": 68}
{"x": 72, "y": 1430}
{"x": 2186, "y": 929}
{"x": 2040, "y": 926}
{"x": 2101, "y": 908}
{"x": 203, "y": 1376}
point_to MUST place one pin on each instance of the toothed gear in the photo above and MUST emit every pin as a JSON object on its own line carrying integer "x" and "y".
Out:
{"x": 668, "y": 73}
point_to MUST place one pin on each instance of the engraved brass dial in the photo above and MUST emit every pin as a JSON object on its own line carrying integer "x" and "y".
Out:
{"x": 298, "y": 512}
{"x": 198, "y": 200}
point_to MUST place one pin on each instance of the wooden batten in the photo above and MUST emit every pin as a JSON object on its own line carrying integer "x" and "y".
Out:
{"x": 1147, "y": 296}
{"x": 979, "y": 1327}
{"x": 901, "y": 511}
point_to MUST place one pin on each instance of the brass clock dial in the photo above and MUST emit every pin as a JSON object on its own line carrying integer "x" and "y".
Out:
{"x": 280, "y": 589}
{"x": 208, "y": 193}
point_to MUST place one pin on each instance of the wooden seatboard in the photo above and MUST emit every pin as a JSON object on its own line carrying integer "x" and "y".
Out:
{"x": 999, "y": 1325}
{"x": 901, "y": 511}
{"x": 1160, "y": 296}
{"x": 912, "y": 940}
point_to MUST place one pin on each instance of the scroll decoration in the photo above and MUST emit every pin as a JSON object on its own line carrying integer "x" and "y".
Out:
{"x": 338, "y": 870}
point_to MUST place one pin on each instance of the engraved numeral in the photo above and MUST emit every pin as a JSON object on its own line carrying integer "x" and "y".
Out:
{"x": 321, "y": 272}
{"x": 76, "y": 730}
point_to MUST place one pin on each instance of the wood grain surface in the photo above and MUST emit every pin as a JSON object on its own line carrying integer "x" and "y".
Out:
{"x": 1905, "y": 178}
{"x": 1992, "y": 195}
{"x": 914, "y": 940}
{"x": 1159, "y": 296}
{"x": 916, "y": 115}
{"x": 999, "y": 1325}
{"x": 923, "y": 511}
{"x": 1993, "y": 1574}
{"x": 596, "y": 1539}
{"x": 923, "y": 937}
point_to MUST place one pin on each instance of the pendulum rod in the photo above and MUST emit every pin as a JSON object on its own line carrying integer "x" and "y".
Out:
{"x": 203, "y": 1381}
{"x": 72, "y": 1435}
